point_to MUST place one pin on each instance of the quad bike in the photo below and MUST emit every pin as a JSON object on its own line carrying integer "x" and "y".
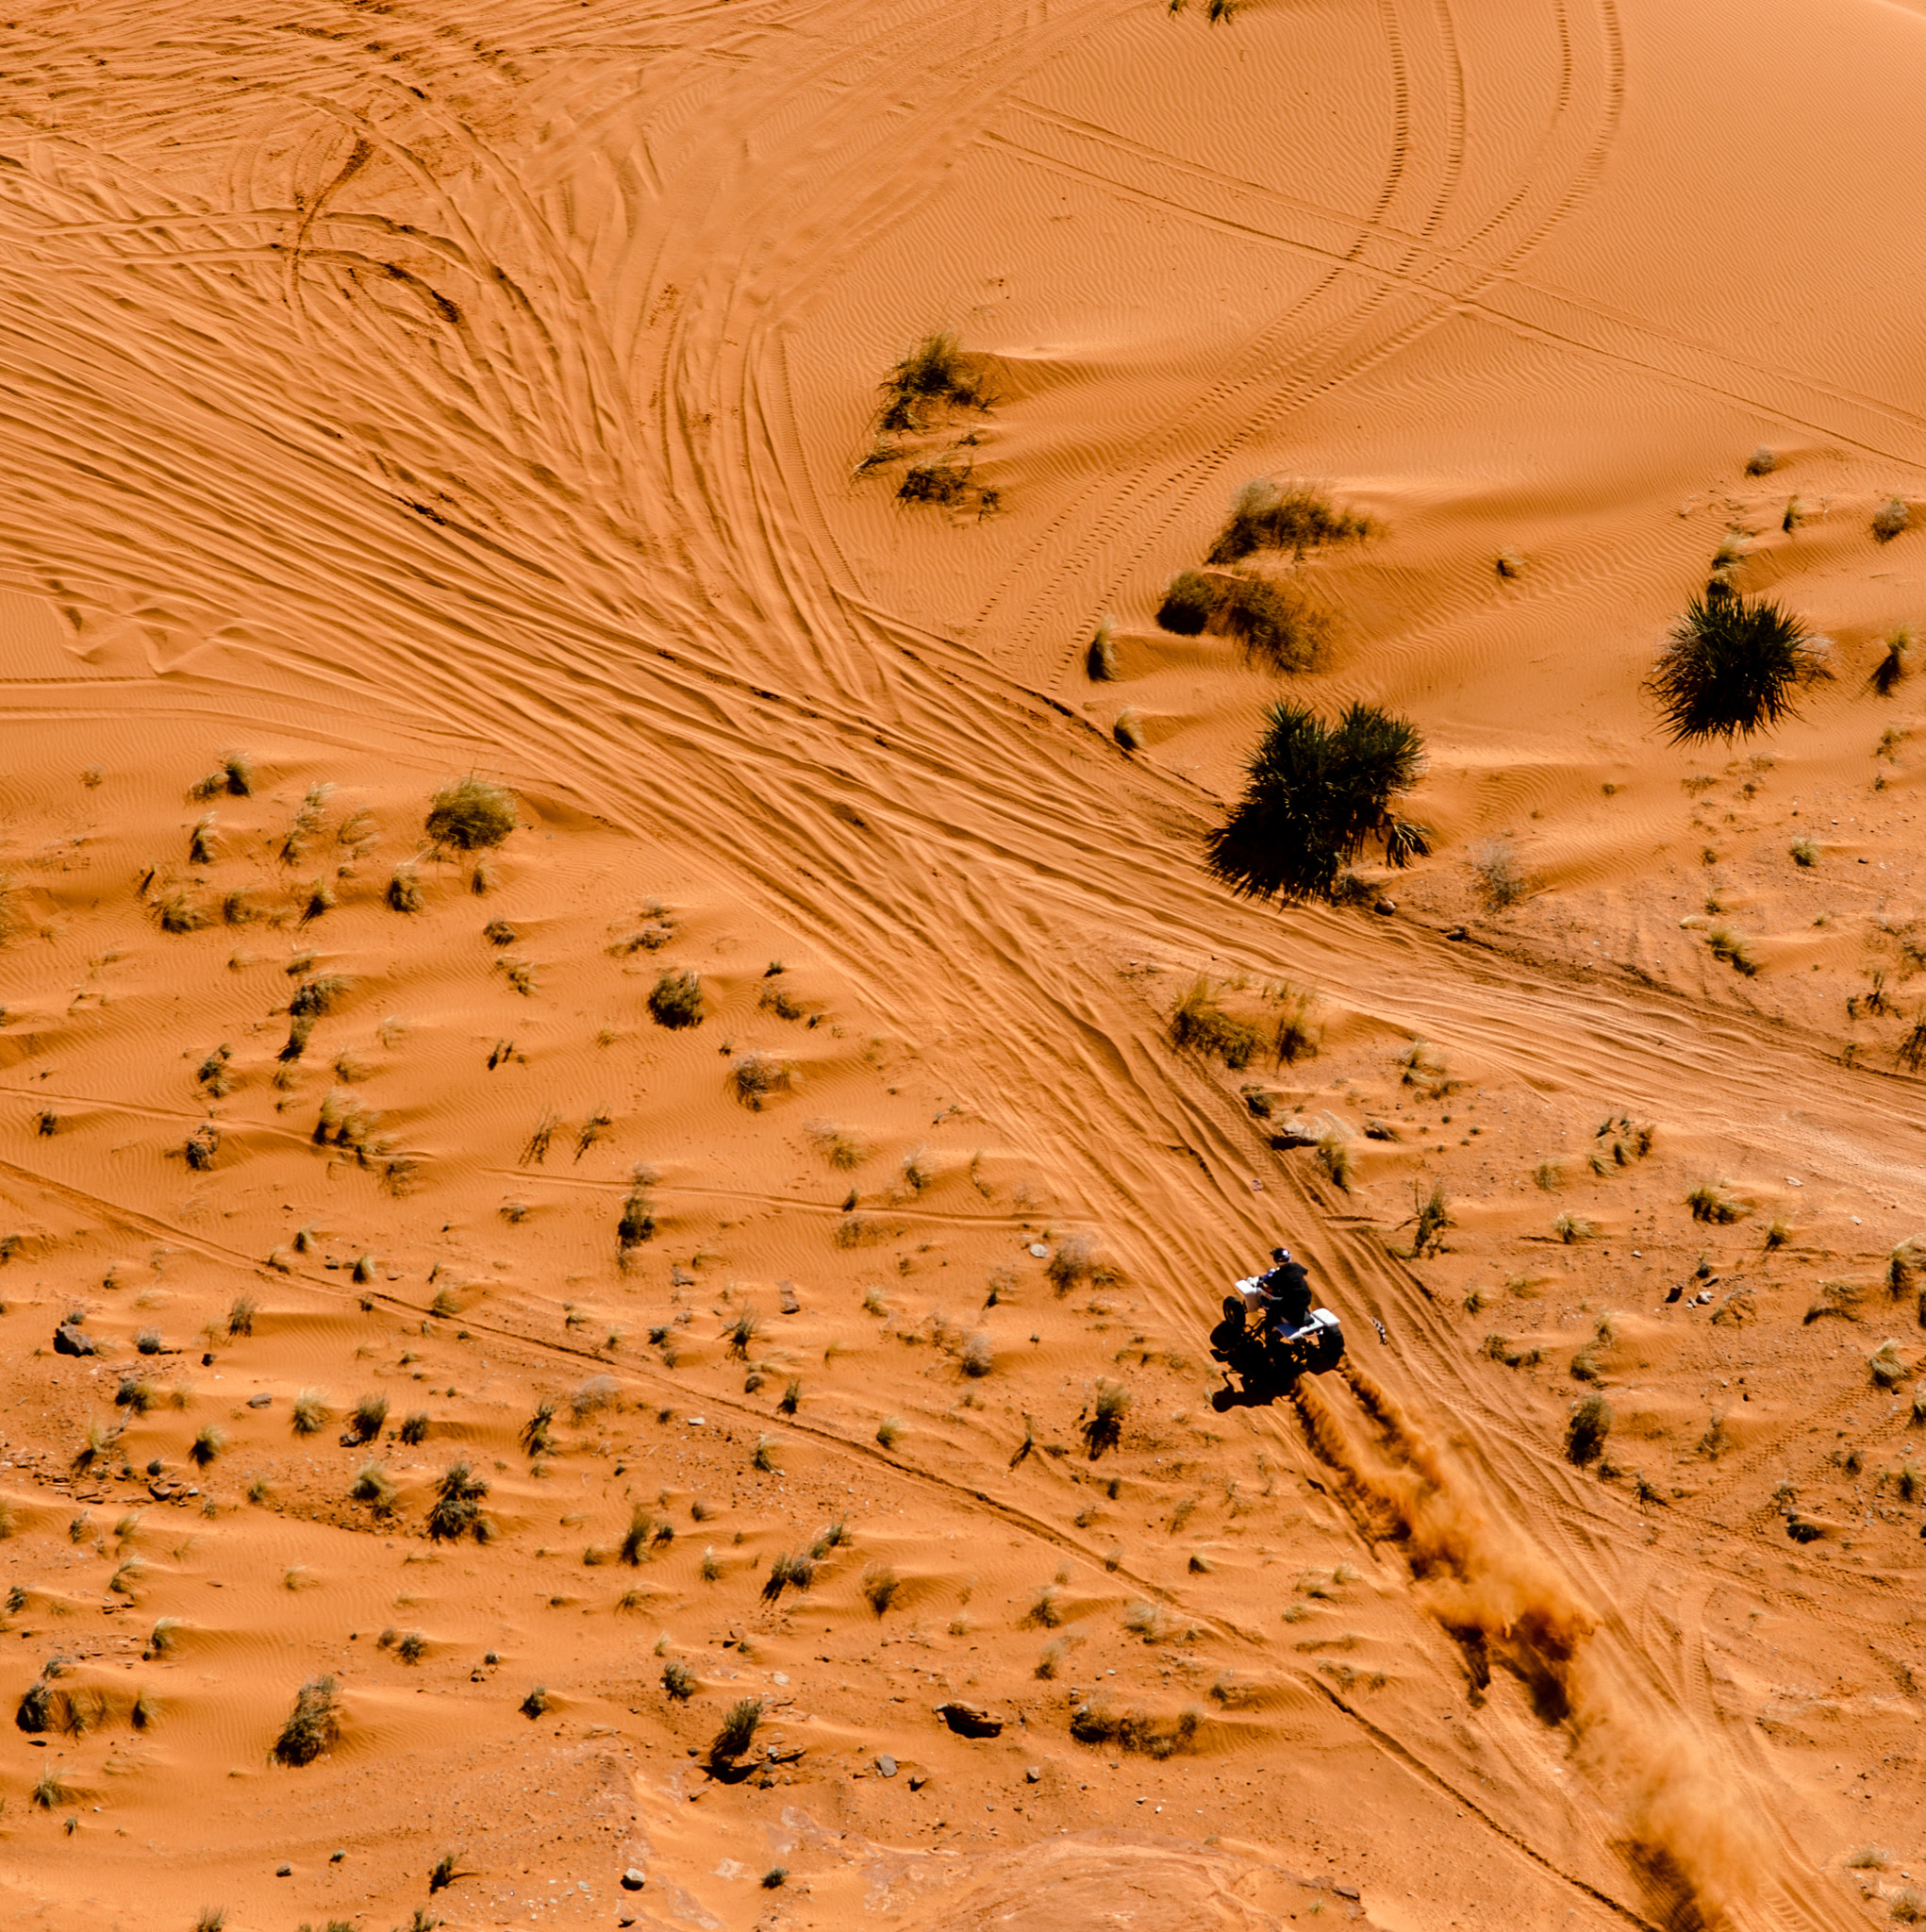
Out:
{"x": 1269, "y": 1357}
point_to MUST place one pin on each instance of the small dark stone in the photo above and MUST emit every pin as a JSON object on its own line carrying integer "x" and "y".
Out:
{"x": 1385, "y": 907}
{"x": 1033, "y": 1774}
{"x": 69, "y": 1340}
{"x": 261, "y": 1401}
{"x": 887, "y": 1765}
{"x": 918, "y": 1780}
{"x": 634, "y": 1878}
{"x": 1458, "y": 932}
{"x": 1345, "y": 1890}
{"x": 790, "y": 1305}
{"x": 283, "y": 1871}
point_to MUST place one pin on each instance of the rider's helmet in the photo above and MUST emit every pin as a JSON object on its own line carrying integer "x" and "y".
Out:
{"x": 1280, "y": 1255}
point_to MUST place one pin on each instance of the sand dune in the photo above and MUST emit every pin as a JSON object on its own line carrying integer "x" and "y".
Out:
{"x": 515, "y": 1302}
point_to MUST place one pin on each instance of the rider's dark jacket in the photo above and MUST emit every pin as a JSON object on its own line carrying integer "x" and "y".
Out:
{"x": 1286, "y": 1290}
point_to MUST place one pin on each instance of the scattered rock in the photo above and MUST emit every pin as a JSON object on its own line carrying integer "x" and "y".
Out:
{"x": 968, "y": 1721}
{"x": 261, "y": 1401}
{"x": 283, "y": 1871}
{"x": 1345, "y": 1890}
{"x": 788, "y": 1291}
{"x": 1289, "y": 1134}
{"x": 633, "y": 1880}
{"x": 1039, "y": 1251}
{"x": 886, "y": 1764}
{"x": 69, "y": 1340}
{"x": 1384, "y": 907}
{"x": 1033, "y": 1772}
{"x": 918, "y": 1780}
{"x": 336, "y": 1856}
{"x": 1458, "y": 932}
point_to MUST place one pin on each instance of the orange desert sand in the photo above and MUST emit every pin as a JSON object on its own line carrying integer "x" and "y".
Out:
{"x": 396, "y": 392}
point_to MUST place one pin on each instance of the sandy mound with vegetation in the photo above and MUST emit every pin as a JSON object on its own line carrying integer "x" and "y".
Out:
{"x": 628, "y": 1095}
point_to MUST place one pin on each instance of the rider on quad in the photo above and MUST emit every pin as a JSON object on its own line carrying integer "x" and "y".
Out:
{"x": 1293, "y": 1335}
{"x": 1281, "y": 1296}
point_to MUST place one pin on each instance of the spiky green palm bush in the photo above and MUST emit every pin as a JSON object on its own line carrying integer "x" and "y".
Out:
{"x": 1733, "y": 665}
{"x": 1316, "y": 793}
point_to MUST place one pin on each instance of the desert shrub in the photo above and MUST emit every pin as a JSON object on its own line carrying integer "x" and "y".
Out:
{"x": 791, "y": 1396}
{"x": 676, "y": 1000}
{"x": 179, "y": 912}
{"x": 470, "y": 814}
{"x": 1134, "y": 1730}
{"x": 1276, "y": 623}
{"x": 319, "y": 995}
{"x": 978, "y": 1356}
{"x": 786, "y": 1571}
{"x": 1713, "y": 1205}
{"x": 537, "y": 1703}
{"x": 1127, "y": 728}
{"x": 1570, "y": 1228}
{"x": 1333, "y": 1156}
{"x": 1295, "y": 516}
{"x": 1295, "y": 1037}
{"x": 537, "y": 1437}
{"x": 638, "y": 1222}
{"x": 372, "y": 1485}
{"x": 1433, "y": 1217}
{"x": 241, "y": 1314}
{"x": 634, "y": 1549}
{"x": 1762, "y": 462}
{"x": 412, "y": 1648}
{"x": 1732, "y": 665}
{"x": 937, "y": 480}
{"x": 414, "y": 1427}
{"x": 1885, "y": 1365}
{"x": 881, "y": 1588}
{"x": 211, "y": 1919}
{"x": 1868, "y": 1858}
{"x": 1805, "y": 852}
{"x": 208, "y": 1443}
{"x": 404, "y": 893}
{"x": 313, "y": 1726}
{"x": 678, "y": 1680}
{"x": 1189, "y": 604}
{"x": 890, "y": 1431}
{"x": 1100, "y": 660}
{"x": 1585, "y": 1431}
{"x": 1890, "y": 519}
{"x": 1495, "y": 874}
{"x": 934, "y": 377}
{"x": 1314, "y": 794}
{"x": 1105, "y": 1427}
{"x": 1200, "y": 1024}
{"x": 1730, "y": 949}
{"x": 738, "y": 1731}
{"x": 309, "y": 1414}
{"x": 49, "y": 1792}
{"x": 1892, "y": 666}
{"x": 763, "y": 1456}
{"x": 754, "y": 1078}
{"x": 456, "y": 1509}
{"x": 1906, "y": 1905}
{"x": 367, "y": 1419}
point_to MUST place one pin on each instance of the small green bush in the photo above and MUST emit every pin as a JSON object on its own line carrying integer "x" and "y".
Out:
{"x": 1199, "y": 1024}
{"x": 313, "y": 1725}
{"x": 1314, "y": 794}
{"x": 470, "y": 814}
{"x": 1732, "y": 666}
{"x": 676, "y": 1000}
{"x": 935, "y": 376}
{"x": 1189, "y": 604}
{"x": 1585, "y": 1431}
{"x": 1295, "y": 516}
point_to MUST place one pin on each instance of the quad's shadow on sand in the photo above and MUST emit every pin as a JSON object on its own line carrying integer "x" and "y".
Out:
{"x": 1252, "y": 1378}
